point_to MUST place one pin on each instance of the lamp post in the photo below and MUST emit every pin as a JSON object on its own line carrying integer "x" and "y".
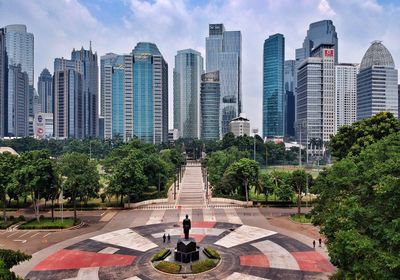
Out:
{"x": 255, "y": 131}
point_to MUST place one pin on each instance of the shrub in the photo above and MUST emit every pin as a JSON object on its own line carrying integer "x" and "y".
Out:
{"x": 41, "y": 217}
{"x": 203, "y": 265}
{"x": 21, "y": 218}
{"x": 212, "y": 253}
{"x": 160, "y": 255}
{"x": 12, "y": 218}
{"x": 168, "y": 267}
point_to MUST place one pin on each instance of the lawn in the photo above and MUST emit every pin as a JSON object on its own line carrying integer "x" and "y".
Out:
{"x": 203, "y": 265}
{"x": 304, "y": 218}
{"x": 47, "y": 223}
{"x": 4, "y": 225}
{"x": 168, "y": 267}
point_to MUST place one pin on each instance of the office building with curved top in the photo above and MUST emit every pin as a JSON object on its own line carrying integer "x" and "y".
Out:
{"x": 377, "y": 83}
{"x": 210, "y": 105}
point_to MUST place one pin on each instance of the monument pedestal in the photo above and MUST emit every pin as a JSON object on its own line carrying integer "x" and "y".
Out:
{"x": 186, "y": 251}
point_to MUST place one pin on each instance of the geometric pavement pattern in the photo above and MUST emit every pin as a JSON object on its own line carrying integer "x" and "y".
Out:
{"x": 247, "y": 253}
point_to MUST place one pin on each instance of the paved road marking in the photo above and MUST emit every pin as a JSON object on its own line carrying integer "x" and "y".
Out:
{"x": 232, "y": 216}
{"x": 133, "y": 278}
{"x": 19, "y": 240}
{"x": 108, "y": 250}
{"x": 35, "y": 234}
{"x": 46, "y": 235}
{"x": 242, "y": 235}
{"x": 12, "y": 234}
{"x": 242, "y": 276}
{"x": 91, "y": 273}
{"x": 156, "y": 217}
{"x": 25, "y": 234}
{"x": 126, "y": 238}
{"x": 107, "y": 217}
{"x": 278, "y": 256}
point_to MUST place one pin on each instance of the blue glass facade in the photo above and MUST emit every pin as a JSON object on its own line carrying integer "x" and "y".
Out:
{"x": 273, "y": 90}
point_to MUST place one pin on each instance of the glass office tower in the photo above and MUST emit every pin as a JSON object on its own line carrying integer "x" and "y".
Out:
{"x": 45, "y": 91}
{"x": 210, "y": 105}
{"x": 273, "y": 91}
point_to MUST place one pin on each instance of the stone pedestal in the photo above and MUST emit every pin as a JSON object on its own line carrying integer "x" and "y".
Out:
{"x": 186, "y": 251}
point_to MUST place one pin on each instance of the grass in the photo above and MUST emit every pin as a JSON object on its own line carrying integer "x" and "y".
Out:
{"x": 160, "y": 255}
{"x": 4, "y": 225}
{"x": 203, "y": 265}
{"x": 212, "y": 253}
{"x": 168, "y": 267}
{"x": 304, "y": 218}
{"x": 47, "y": 223}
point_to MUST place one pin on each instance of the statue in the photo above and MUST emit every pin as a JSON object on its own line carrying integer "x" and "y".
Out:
{"x": 187, "y": 225}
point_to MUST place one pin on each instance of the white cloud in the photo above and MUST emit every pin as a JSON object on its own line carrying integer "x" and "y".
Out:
{"x": 61, "y": 25}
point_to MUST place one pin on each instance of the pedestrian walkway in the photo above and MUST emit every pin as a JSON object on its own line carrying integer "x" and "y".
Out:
{"x": 191, "y": 192}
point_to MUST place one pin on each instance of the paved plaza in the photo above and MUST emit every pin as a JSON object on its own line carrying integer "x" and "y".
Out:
{"x": 250, "y": 245}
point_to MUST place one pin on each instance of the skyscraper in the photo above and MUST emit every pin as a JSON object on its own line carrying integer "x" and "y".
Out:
{"x": 224, "y": 54}
{"x": 289, "y": 78}
{"x": 320, "y": 32}
{"x": 45, "y": 91}
{"x": 346, "y": 94}
{"x": 377, "y": 83}
{"x": 90, "y": 89}
{"x": 18, "y": 94}
{"x": 3, "y": 84}
{"x": 150, "y": 94}
{"x": 118, "y": 97}
{"x": 210, "y": 105}
{"x": 187, "y": 76}
{"x": 68, "y": 99}
{"x": 107, "y": 59}
{"x": 316, "y": 95}
{"x": 273, "y": 93}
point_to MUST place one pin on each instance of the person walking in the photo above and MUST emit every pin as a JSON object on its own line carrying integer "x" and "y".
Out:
{"x": 163, "y": 238}
{"x": 169, "y": 238}
{"x": 320, "y": 241}
{"x": 313, "y": 243}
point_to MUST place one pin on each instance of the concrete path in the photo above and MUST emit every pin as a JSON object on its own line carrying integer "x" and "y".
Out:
{"x": 191, "y": 192}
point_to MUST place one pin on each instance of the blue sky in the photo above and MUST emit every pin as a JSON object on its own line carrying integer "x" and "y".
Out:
{"x": 117, "y": 26}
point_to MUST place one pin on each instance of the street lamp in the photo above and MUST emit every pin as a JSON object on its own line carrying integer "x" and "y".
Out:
{"x": 255, "y": 131}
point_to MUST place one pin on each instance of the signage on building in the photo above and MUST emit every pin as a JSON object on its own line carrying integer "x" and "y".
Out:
{"x": 328, "y": 52}
{"x": 39, "y": 126}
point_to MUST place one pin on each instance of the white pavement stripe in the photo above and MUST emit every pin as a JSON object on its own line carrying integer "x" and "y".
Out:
{"x": 183, "y": 214}
{"x": 33, "y": 235}
{"x": 24, "y": 234}
{"x": 47, "y": 234}
{"x": 242, "y": 235}
{"x": 126, "y": 238}
{"x": 86, "y": 273}
{"x": 12, "y": 234}
{"x": 179, "y": 231}
{"x": 209, "y": 215}
{"x": 133, "y": 278}
{"x": 232, "y": 216}
{"x": 278, "y": 257}
{"x": 156, "y": 217}
{"x": 108, "y": 250}
{"x": 242, "y": 276}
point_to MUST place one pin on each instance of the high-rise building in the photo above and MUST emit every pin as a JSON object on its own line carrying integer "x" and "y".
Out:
{"x": 187, "y": 79}
{"x": 398, "y": 115}
{"x": 210, "y": 106}
{"x": 273, "y": 93}
{"x": 107, "y": 59}
{"x": 150, "y": 94}
{"x": 316, "y": 96}
{"x": 45, "y": 91}
{"x": 90, "y": 89}
{"x": 289, "y": 79}
{"x": 68, "y": 99}
{"x": 320, "y": 32}
{"x": 18, "y": 99}
{"x": 224, "y": 54}
{"x": 240, "y": 126}
{"x": 346, "y": 94}
{"x": 118, "y": 97}
{"x": 3, "y": 84}
{"x": 377, "y": 89}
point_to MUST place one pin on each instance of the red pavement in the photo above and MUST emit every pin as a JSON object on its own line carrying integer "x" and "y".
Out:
{"x": 312, "y": 261}
{"x": 254, "y": 261}
{"x": 74, "y": 259}
{"x": 197, "y": 237}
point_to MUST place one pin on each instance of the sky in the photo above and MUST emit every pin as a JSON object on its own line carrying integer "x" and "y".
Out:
{"x": 118, "y": 25}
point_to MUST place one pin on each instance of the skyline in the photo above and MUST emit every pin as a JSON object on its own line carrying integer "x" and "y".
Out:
{"x": 176, "y": 25}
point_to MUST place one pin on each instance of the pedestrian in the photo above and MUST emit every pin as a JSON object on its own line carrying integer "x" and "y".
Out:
{"x": 320, "y": 241}
{"x": 169, "y": 238}
{"x": 313, "y": 243}
{"x": 163, "y": 238}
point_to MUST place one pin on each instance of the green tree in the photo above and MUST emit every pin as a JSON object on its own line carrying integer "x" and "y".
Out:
{"x": 352, "y": 139}
{"x": 157, "y": 171}
{"x": 8, "y": 259}
{"x": 7, "y": 167}
{"x": 246, "y": 171}
{"x": 299, "y": 181}
{"x": 358, "y": 211}
{"x": 81, "y": 177}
